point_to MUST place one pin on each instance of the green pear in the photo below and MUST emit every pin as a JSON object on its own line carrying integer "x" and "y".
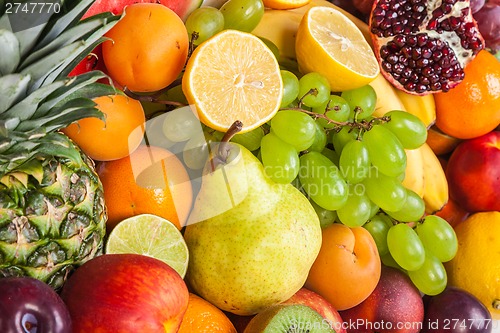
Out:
{"x": 253, "y": 248}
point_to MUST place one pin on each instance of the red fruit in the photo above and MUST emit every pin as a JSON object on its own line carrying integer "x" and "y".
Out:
{"x": 473, "y": 173}
{"x": 115, "y": 293}
{"x": 488, "y": 20}
{"x": 181, "y": 7}
{"x": 93, "y": 61}
{"x": 423, "y": 46}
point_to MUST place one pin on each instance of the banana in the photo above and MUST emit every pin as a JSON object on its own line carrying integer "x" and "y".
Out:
{"x": 436, "y": 185}
{"x": 280, "y": 26}
{"x": 423, "y": 107}
{"x": 414, "y": 173}
{"x": 387, "y": 98}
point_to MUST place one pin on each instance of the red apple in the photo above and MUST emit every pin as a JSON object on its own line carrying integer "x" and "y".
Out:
{"x": 473, "y": 173}
{"x": 319, "y": 304}
{"x": 116, "y": 293}
{"x": 395, "y": 306}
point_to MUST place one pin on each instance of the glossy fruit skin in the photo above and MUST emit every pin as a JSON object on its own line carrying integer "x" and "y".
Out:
{"x": 125, "y": 293}
{"x": 348, "y": 257}
{"x": 455, "y": 311}
{"x": 473, "y": 173}
{"x": 395, "y": 302}
{"x": 29, "y": 305}
{"x": 319, "y": 304}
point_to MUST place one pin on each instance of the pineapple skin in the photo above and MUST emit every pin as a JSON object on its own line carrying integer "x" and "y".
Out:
{"x": 52, "y": 216}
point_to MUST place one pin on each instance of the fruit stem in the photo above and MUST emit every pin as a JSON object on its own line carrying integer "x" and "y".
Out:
{"x": 155, "y": 97}
{"x": 496, "y": 304}
{"x": 224, "y": 150}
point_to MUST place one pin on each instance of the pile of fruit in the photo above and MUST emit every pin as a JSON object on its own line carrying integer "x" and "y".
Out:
{"x": 250, "y": 166}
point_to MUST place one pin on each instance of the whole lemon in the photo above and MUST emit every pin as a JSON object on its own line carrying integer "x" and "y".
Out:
{"x": 476, "y": 266}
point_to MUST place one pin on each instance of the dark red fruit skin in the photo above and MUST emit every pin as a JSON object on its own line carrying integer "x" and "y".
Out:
{"x": 488, "y": 20}
{"x": 455, "y": 311}
{"x": 394, "y": 306}
{"x": 30, "y": 305}
{"x": 473, "y": 173}
{"x": 93, "y": 61}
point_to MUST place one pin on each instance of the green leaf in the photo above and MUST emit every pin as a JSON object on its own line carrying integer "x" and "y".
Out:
{"x": 13, "y": 88}
{"x": 10, "y": 55}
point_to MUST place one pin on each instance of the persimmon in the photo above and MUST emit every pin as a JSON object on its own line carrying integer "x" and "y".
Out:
{"x": 117, "y": 136}
{"x": 347, "y": 268}
{"x": 147, "y": 49}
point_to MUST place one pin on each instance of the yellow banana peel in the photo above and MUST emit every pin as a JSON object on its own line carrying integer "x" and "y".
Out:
{"x": 387, "y": 97}
{"x": 436, "y": 186}
{"x": 414, "y": 173}
{"x": 423, "y": 107}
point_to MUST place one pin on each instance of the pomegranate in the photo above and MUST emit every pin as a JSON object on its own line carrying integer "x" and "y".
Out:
{"x": 423, "y": 45}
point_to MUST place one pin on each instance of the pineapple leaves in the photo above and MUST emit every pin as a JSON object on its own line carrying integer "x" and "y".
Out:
{"x": 14, "y": 87}
{"x": 10, "y": 54}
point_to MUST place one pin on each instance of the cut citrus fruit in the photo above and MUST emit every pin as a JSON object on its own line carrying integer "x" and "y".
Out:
{"x": 152, "y": 236}
{"x": 329, "y": 43}
{"x": 285, "y": 4}
{"x": 233, "y": 76}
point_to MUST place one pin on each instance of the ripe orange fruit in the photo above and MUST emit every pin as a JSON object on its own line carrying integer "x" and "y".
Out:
{"x": 203, "y": 317}
{"x": 347, "y": 268}
{"x": 116, "y": 137}
{"x": 472, "y": 108}
{"x": 476, "y": 266}
{"x": 151, "y": 180}
{"x": 148, "y": 47}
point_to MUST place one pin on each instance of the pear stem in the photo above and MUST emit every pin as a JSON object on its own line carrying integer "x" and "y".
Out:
{"x": 223, "y": 152}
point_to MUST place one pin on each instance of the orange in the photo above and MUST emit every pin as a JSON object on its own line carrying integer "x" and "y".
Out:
{"x": 440, "y": 142}
{"x": 285, "y": 4}
{"x": 148, "y": 47}
{"x": 203, "y": 317}
{"x": 151, "y": 180}
{"x": 347, "y": 268}
{"x": 472, "y": 108}
{"x": 476, "y": 266}
{"x": 117, "y": 136}
{"x": 233, "y": 76}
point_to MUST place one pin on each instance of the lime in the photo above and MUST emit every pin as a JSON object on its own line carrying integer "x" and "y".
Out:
{"x": 152, "y": 236}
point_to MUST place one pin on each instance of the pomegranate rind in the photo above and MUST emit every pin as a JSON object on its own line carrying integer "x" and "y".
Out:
{"x": 423, "y": 46}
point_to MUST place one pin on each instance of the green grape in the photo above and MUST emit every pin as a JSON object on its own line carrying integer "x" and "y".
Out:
{"x": 196, "y": 151}
{"x": 378, "y": 227}
{"x": 250, "y": 140}
{"x": 320, "y": 138}
{"x": 405, "y": 247}
{"x": 316, "y": 82}
{"x": 386, "y": 151}
{"x": 374, "y": 209}
{"x": 386, "y": 192}
{"x": 290, "y": 88}
{"x": 389, "y": 261}
{"x": 356, "y": 211}
{"x": 154, "y": 136}
{"x": 243, "y": 15}
{"x": 408, "y": 128}
{"x": 413, "y": 208}
{"x": 274, "y": 49}
{"x": 295, "y": 128}
{"x": 335, "y": 108}
{"x": 342, "y": 137}
{"x": 280, "y": 159}
{"x": 206, "y": 22}
{"x": 438, "y": 237}
{"x": 363, "y": 98}
{"x": 181, "y": 124}
{"x": 326, "y": 217}
{"x": 354, "y": 161}
{"x": 430, "y": 278}
{"x": 331, "y": 154}
{"x": 322, "y": 181}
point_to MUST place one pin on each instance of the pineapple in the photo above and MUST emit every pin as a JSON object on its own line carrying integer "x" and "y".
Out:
{"x": 52, "y": 212}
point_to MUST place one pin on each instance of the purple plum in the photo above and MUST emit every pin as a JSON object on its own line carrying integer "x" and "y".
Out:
{"x": 28, "y": 305}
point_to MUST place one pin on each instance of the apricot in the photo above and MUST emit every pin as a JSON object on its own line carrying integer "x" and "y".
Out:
{"x": 347, "y": 268}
